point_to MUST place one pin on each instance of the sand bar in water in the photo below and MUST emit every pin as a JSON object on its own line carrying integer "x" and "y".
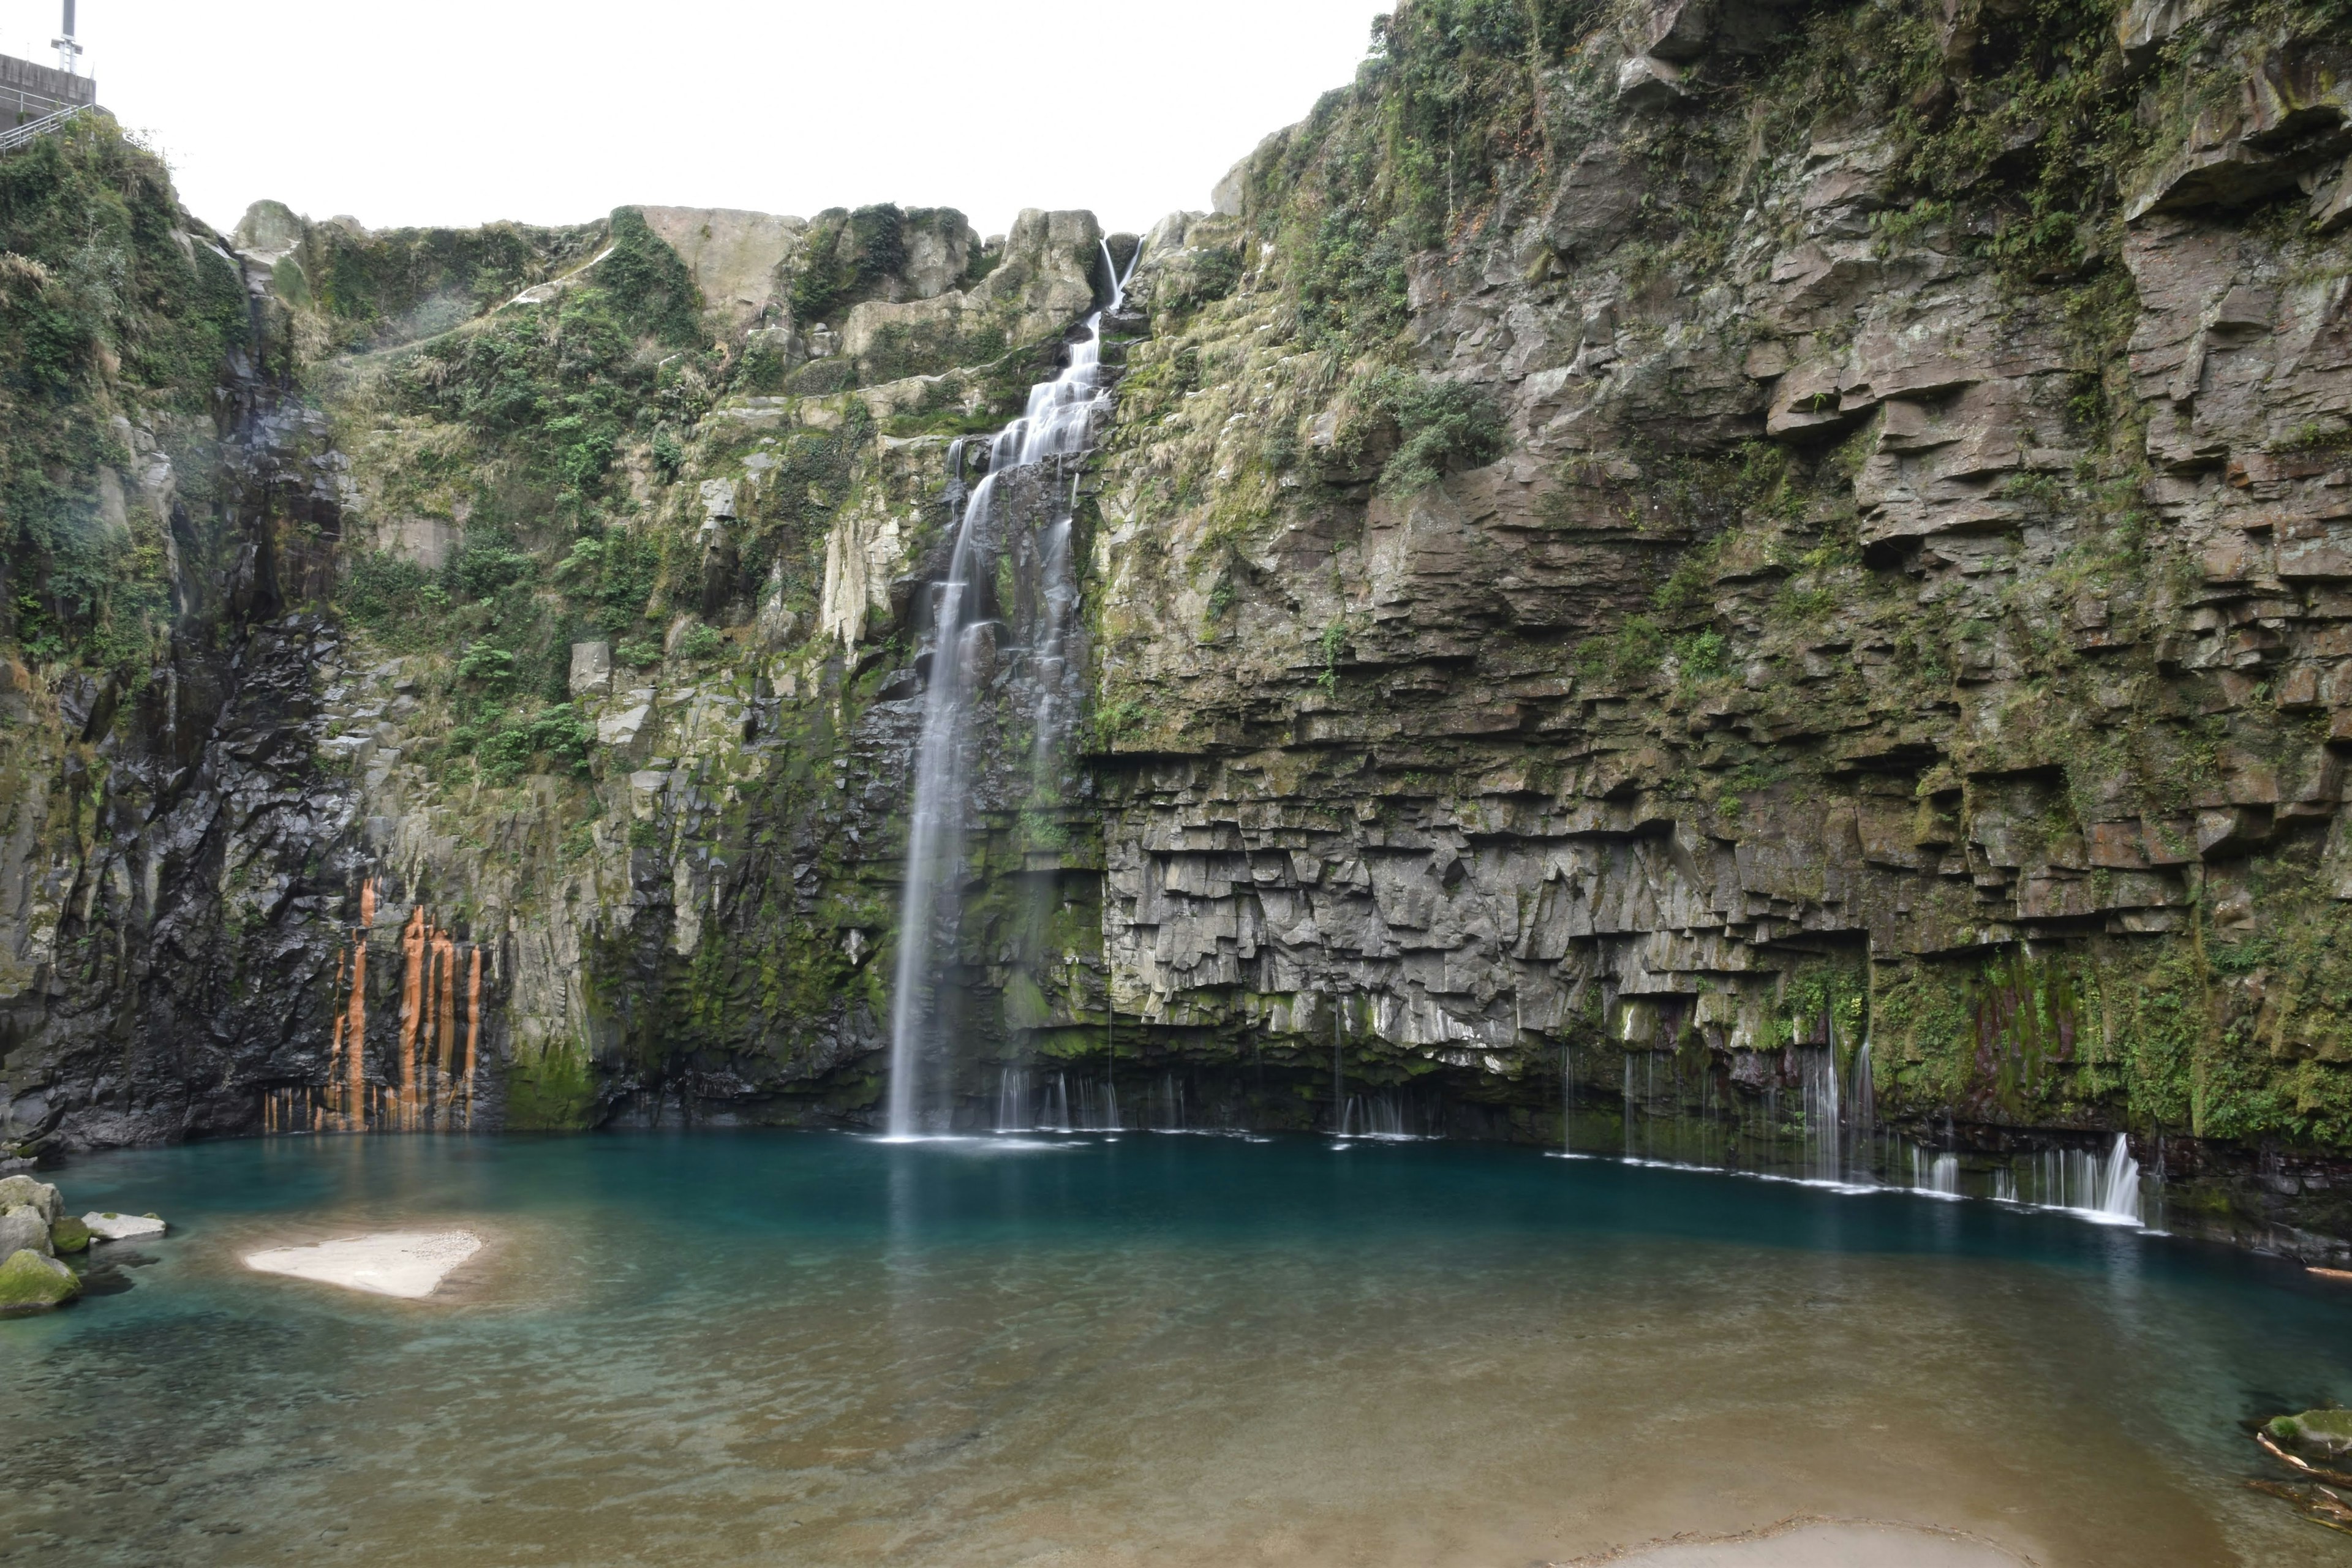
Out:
{"x": 410, "y": 1264}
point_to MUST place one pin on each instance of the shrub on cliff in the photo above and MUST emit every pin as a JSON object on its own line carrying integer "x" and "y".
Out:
{"x": 1430, "y": 428}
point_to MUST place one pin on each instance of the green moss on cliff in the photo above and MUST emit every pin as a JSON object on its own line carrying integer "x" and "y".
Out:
{"x": 109, "y": 308}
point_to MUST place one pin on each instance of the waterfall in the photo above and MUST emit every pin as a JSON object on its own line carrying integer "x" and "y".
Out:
{"x": 1056, "y": 425}
{"x": 2119, "y": 1190}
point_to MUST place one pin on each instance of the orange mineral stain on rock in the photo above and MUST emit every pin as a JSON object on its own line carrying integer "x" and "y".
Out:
{"x": 355, "y": 1065}
{"x": 444, "y": 977}
{"x": 412, "y": 1012}
{"x": 433, "y": 1082}
{"x": 473, "y": 1026}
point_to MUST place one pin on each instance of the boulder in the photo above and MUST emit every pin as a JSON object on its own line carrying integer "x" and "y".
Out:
{"x": 41, "y": 1196}
{"x": 592, "y": 667}
{"x": 122, "y": 1226}
{"x": 30, "y": 1282}
{"x": 70, "y": 1235}
{"x": 2315, "y": 1434}
{"x": 23, "y": 1228}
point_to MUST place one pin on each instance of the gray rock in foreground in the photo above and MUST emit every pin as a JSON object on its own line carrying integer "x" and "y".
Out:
{"x": 41, "y": 1196}
{"x": 23, "y": 1228}
{"x": 30, "y": 1282}
{"x": 122, "y": 1226}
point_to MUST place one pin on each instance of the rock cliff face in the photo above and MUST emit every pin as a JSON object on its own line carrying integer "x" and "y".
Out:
{"x": 1685, "y": 537}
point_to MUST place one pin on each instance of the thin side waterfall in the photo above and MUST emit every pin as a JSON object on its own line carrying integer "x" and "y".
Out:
{"x": 1056, "y": 426}
{"x": 1629, "y": 1107}
{"x": 1338, "y": 1080}
{"x": 1567, "y": 1101}
{"x": 1863, "y": 1115}
{"x": 1817, "y": 1066}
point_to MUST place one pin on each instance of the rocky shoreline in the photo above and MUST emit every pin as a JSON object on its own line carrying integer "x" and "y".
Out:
{"x": 37, "y": 1237}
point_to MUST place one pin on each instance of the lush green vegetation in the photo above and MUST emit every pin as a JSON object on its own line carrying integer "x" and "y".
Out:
{"x": 1449, "y": 99}
{"x": 107, "y": 310}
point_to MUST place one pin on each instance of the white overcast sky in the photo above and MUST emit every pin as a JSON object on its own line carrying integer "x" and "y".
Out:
{"x": 457, "y": 112}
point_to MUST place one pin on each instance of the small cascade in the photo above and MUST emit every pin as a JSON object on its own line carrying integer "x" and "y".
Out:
{"x": 1862, "y": 1115}
{"x": 1164, "y": 1106}
{"x": 1080, "y": 1105}
{"x": 1935, "y": 1173}
{"x": 1817, "y": 1073}
{"x": 2104, "y": 1187}
{"x": 1012, "y": 1100}
{"x": 1374, "y": 1116}
{"x": 965, "y": 625}
{"x": 2119, "y": 1197}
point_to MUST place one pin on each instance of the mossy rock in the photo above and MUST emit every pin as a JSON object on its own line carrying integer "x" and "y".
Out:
{"x": 70, "y": 1235}
{"x": 2316, "y": 1431}
{"x": 32, "y": 1283}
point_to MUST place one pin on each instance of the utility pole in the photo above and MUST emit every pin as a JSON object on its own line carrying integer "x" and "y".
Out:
{"x": 69, "y": 51}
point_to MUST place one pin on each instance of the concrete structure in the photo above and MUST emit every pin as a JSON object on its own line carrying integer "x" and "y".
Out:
{"x": 28, "y": 92}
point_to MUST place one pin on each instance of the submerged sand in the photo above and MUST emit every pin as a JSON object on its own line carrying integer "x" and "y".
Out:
{"x": 1822, "y": 1543}
{"x": 410, "y": 1264}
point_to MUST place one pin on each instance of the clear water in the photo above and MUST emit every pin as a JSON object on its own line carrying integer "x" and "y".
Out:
{"x": 784, "y": 1348}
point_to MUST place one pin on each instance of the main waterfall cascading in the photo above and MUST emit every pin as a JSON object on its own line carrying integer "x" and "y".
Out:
{"x": 1056, "y": 426}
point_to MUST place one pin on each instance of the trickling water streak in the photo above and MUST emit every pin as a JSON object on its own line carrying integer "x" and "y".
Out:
{"x": 1629, "y": 1107}
{"x": 1056, "y": 424}
{"x": 1933, "y": 1173}
{"x": 1567, "y": 1100}
{"x": 1338, "y": 1079}
{"x": 1374, "y": 1116}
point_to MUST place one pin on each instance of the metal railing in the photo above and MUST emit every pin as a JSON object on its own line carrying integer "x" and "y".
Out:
{"x": 17, "y": 137}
